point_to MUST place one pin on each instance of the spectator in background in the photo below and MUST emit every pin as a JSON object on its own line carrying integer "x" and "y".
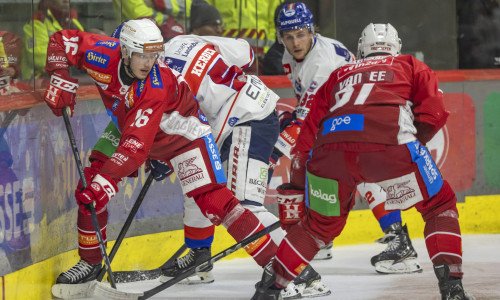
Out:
{"x": 162, "y": 11}
{"x": 52, "y": 16}
{"x": 478, "y": 34}
{"x": 272, "y": 60}
{"x": 251, "y": 20}
{"x": 205, "y": 19}
{"x": 10, "y": 63}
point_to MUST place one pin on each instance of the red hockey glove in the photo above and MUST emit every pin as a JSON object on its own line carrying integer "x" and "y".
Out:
{"x": 288, "y": 138}
{"x": 90, "y": 173}
{"x": 290, "y": 204}
{"x": 100, "y": 190}
{"x": 61, "y": 92}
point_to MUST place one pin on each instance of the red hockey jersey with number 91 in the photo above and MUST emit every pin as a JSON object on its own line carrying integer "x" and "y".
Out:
{"x": 156, "y": 116}
{"x": 380, "y": 100}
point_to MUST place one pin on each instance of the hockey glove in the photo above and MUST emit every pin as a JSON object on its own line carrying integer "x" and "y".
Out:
{"x": 288, "y": 138}
{"x": 286, "y": 118}
{"x": 159, "y": 169}
{"x": 100, "y": 190}
{"x": 290, "y": 204}
{"x": 61, "y": 92}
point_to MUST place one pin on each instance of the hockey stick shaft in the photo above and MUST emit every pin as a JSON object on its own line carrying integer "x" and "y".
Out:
{"x": 139, "y": 275}
{"x": 210, "y": 261}
{"x": 93, "y": 215}
{"x": 127, "y": 223}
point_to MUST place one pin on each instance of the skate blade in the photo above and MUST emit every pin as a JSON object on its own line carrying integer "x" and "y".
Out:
{"x": 407, "y": 266}
{"x": 90, "y": 289}
{"x": 292, "y": 291}
{"x": 198, "y": 278}
{"x": 323, "y": 255}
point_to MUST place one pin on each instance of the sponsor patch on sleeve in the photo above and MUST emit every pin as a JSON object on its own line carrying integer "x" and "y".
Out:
{"x": 132, "y": 144}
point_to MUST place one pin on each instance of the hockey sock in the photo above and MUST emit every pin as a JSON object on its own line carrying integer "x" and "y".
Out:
{"x": 444, "y": 241}
{"x": 294, "y": 254}
{"x": 88, "y": 245}
{"x": 241, "y": 223}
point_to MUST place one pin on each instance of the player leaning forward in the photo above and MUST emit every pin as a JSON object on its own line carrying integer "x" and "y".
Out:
{"x": 158, "y": 118}
{"x": 344, "y": 141}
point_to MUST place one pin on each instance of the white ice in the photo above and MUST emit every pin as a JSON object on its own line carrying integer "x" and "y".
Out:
{"x": 350, "y": 275}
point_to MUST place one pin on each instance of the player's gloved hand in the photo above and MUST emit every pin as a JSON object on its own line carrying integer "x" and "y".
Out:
{"x": 100, "y": 190}
{"x": 286, "y": 118}
{"x": 90, "y": 173}
{"x": 288, "y": 138}
{"x": 159, "y": 169}
{"x": 290, "y": 204}
{"x": 61, "y": 92}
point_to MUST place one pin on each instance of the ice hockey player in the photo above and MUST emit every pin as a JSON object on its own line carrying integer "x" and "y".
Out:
{"x": 158, "y": 117}
{"x": 308, "y": 61}
{"x": 344, "y": 129}
{"x": 244, "y": 134}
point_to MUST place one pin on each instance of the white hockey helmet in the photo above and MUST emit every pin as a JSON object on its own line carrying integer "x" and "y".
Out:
{"x": 379, "y": 38}
{"x": 141, "y": 36}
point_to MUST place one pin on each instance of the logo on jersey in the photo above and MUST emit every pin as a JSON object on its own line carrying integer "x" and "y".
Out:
{"x": 129, "y": 98}
{"x": 58, "y": 61}
{"x": 175, "y": 64}
{"x": 203, "y": 118}
{"x": 98, "y": 76}
{"x": 202, "y": 61}
{"x": 133, "y": 144}
{"x": 287, "y": 68}
{"x": 115, "y": 105}
{"x": 313, "y": 86}
{"x": 360, "y": 64}
{"x": 155, "y": 77}
{"x": 107, "y": 44}
{"x": 344, "y": 123}
{"x": 140, "y": 87}
{"x": 97, "y": 59}
{"x": 232, "y": 121}
{"x": 185, "y": 48}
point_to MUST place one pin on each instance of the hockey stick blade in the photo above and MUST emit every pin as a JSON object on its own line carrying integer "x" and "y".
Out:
{"x": 90, "y": 289}
{"x": 140, "y": 275}
{"x": 190, "y": 271}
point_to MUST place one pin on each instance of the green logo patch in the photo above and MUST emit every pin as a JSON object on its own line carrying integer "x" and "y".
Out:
{"x": 323, "y": 195}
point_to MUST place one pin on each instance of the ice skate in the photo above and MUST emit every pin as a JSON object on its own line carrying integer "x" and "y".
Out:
{"x": 451, "y": 289}
{"x": 307, "y": 284}
{"x": 324, "y": 252}
{"x": 264, "y": 288}
{"x": 399, "y": 256}
{"x": 192, "y": 258}
{"x": 80, "y": 273}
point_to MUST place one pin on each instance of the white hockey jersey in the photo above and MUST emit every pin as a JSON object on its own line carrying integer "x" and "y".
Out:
{"x": 212, "y": 67}
{"x": 308, "y": 74}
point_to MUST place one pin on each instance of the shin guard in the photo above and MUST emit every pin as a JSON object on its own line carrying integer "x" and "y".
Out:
{"x": 241, "y": 223}
{"x": 88, "y": 245}
{"x": 444, "y": 241}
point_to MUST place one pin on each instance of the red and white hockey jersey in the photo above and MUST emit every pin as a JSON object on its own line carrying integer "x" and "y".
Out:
{"x": 159, "y": 109}
{"x": 378, "y": 100}
{"x": 309, "y": 74}
{"x": 212, "y": 66}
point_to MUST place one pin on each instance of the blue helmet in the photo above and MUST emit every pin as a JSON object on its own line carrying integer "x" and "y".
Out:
{"x": 295, "y": 16}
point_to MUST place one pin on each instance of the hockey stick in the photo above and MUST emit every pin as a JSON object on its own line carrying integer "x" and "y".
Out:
{"x": 140, "y": 275}
{"x": 93, "y": 215}
{"x": 193, "y": 269}
{"x": 127, "y": 223}
{"x": 98, "y": 289}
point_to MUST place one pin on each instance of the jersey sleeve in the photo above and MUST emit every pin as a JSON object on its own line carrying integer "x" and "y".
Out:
{"x": 67, "y": 48}
{"x": 140, "y": 128}
{"x": 429, "y": 111}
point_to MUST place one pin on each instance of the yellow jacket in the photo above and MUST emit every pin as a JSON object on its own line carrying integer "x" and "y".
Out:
{"x": 43, "y": 26}
{"x": 159, "y": 10}
{"x": 240, "y": 20}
